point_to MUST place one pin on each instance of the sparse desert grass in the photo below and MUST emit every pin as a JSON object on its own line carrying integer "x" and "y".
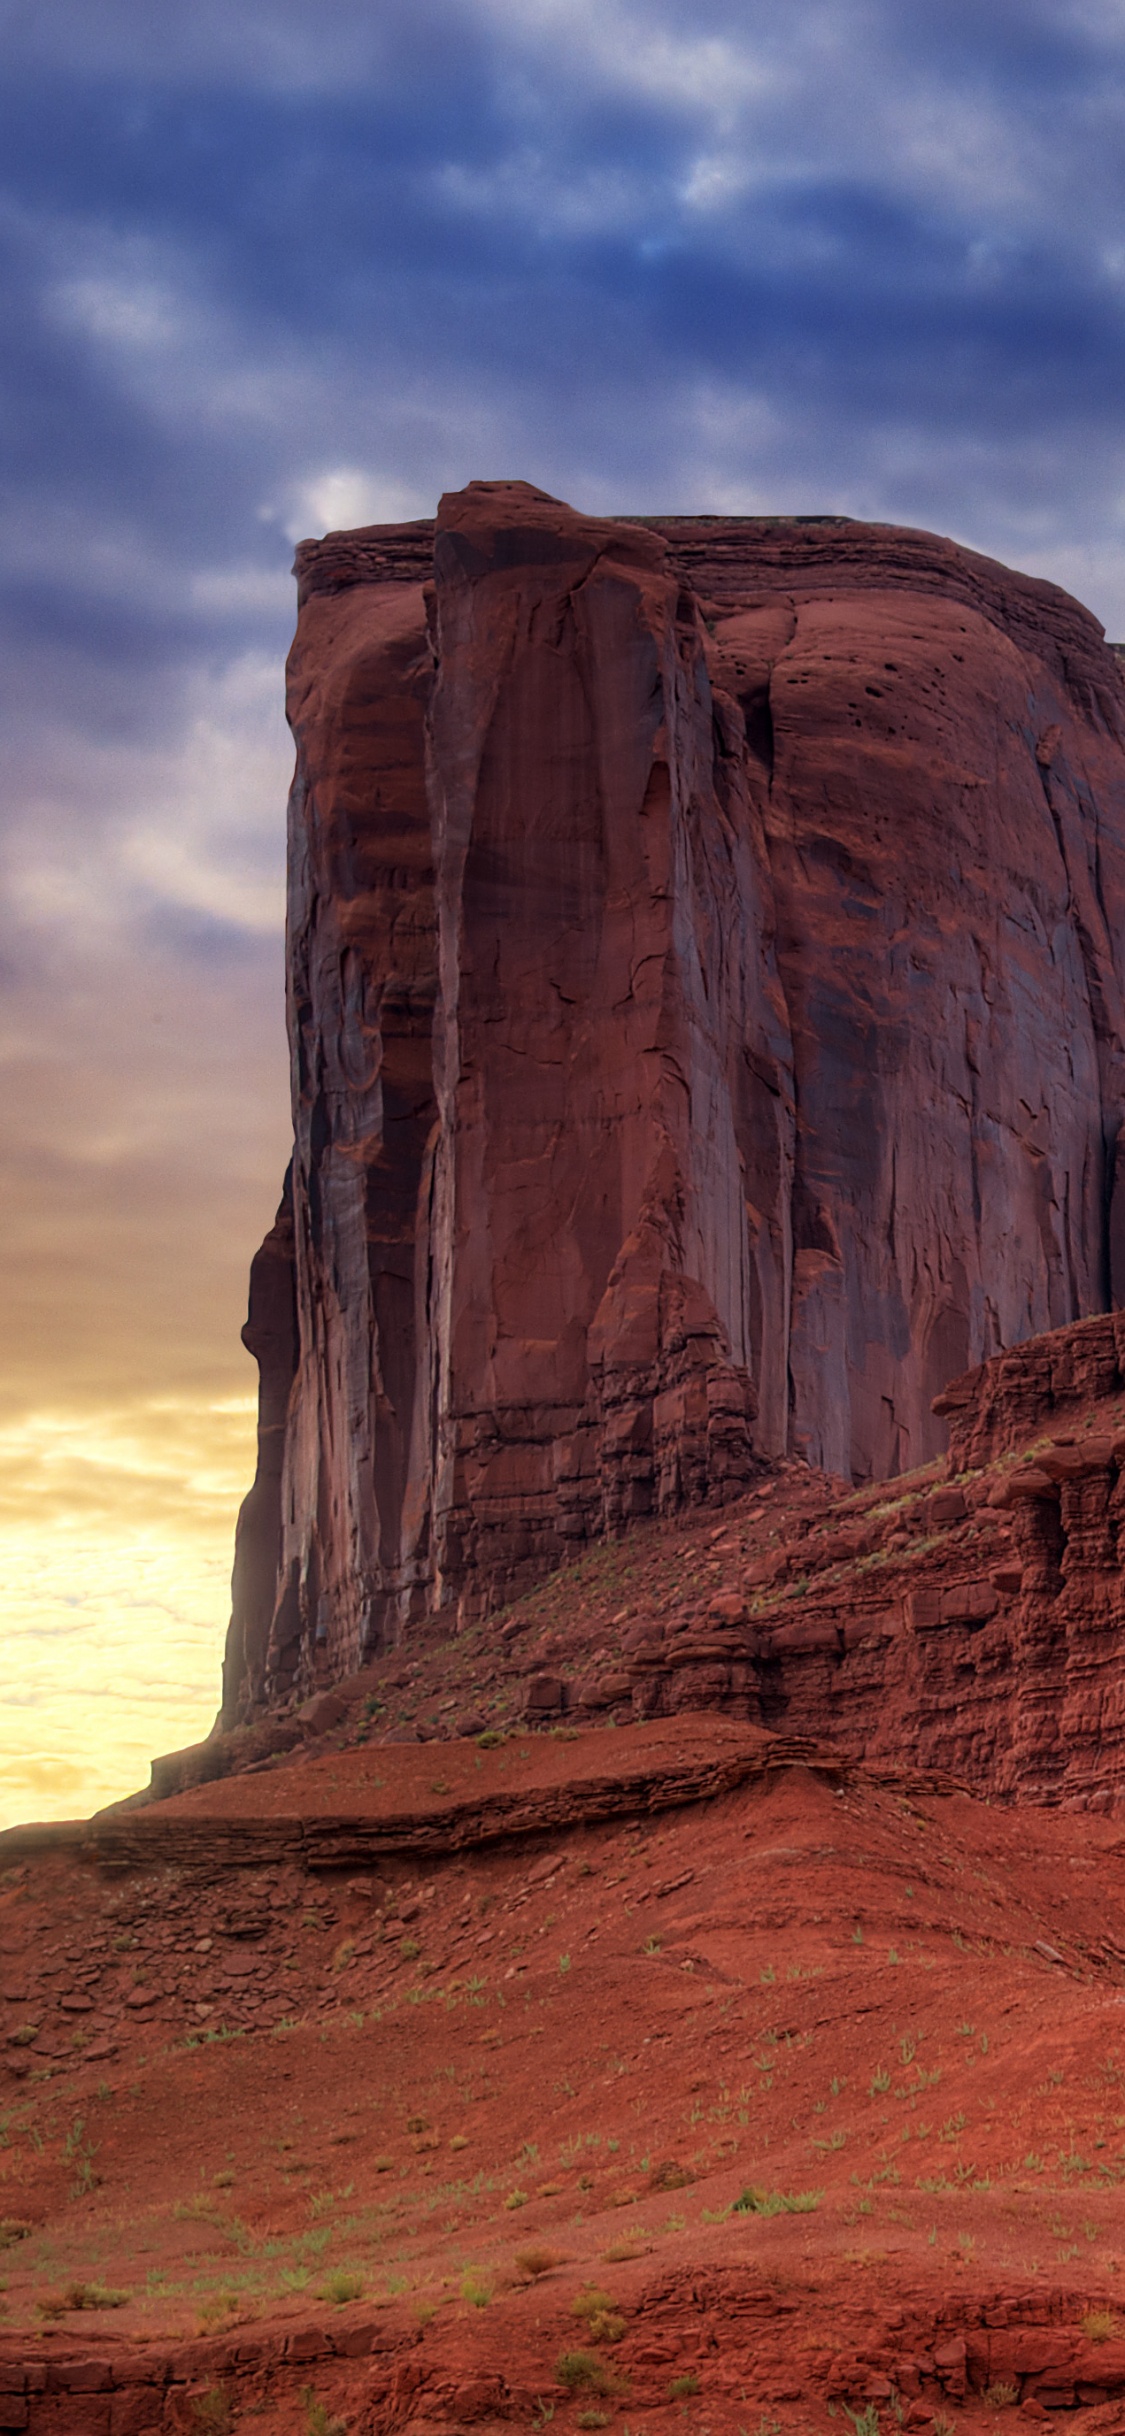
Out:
{"x": 201, "y": 2208}
{"x": 1100, "y": 2325}
{"x": 583, "y": 2372}
{"x": 78, "y": 2151}
{"x": 601, "y": 2313}
{"x": 681, "y": 2387}
{"x": 537, "y": 2260}
{"x": 319, "y": 2420}
{"x": 669, "y": 2175}
{"x": 222, "y": 2309}
{"x": 81, "y": 2296}
{"x": 476, "y": 2288}
{"x": 343, "y": 2284}
{"x": 755, "y": 2202}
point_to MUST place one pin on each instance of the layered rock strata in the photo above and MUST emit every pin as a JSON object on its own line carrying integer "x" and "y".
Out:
{"x": 973, "y": 1624}
{"x": 706, "y": 1025}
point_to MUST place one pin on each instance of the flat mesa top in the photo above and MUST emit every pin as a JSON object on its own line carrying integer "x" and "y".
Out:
{"x": 733, "y": 562}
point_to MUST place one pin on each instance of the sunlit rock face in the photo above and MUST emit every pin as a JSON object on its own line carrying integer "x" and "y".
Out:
{"x": 706, "y": 1022}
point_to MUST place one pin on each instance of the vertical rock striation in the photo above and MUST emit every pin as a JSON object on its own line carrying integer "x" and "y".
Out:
{"x": 706, "y": 1027}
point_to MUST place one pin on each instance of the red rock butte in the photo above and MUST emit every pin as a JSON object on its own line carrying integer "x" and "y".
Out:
{"x": 705, "y": 1003}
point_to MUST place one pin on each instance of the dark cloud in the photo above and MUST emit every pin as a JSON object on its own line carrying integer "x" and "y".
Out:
{"x": 241, "y": 246}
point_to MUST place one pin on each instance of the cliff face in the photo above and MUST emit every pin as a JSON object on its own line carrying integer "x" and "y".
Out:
{"x": 706, "y": 1029}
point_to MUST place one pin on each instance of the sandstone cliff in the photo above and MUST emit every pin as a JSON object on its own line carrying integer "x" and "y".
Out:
{"x": 705, "y": 1008}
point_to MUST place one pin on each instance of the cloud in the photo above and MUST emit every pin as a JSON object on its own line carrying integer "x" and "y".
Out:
{"x": 343, "y": 496}
{"x": 142, "y": 1051}
{"x": 174, "y": 1462}
{"x": 513, "y": 226}
{"x": 275, "y": 46}
{"x": 188, "y": 819}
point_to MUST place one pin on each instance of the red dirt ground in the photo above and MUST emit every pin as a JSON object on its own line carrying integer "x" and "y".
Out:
{"x": 901, "y": 2008}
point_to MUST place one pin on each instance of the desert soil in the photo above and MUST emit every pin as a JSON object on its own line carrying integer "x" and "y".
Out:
{"x": 817, "y": 2085}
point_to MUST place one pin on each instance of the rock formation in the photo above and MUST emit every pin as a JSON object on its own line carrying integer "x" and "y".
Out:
{"x": 706, "y": 1022}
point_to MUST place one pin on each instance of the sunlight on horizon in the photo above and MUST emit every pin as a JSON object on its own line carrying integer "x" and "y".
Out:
{"x": 116, "y": 1540}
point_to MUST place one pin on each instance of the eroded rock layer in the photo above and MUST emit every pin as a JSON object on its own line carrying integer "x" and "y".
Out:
{"x": 706, "y": 1022}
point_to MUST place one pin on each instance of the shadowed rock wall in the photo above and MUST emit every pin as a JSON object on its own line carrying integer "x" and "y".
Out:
{"x": 706, "y": 1029}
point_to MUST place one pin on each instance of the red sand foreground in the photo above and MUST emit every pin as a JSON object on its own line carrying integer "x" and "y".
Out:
{"x": 736, "y": 2110}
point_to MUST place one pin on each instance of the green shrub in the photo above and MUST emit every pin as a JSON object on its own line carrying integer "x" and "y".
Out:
{"x": 754, "y": 2202}
{"x": 342, "y": 2285}
{"x": 590, "y": 2300}
{"x": 81, "y": 2296}
{"x": 604, "y": 2321}
{"x": 582, "y": 2372}
{"x": 96, "y": 2296}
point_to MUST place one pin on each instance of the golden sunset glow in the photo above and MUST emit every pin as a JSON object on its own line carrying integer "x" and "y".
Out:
{"x": 116, "y": 1530}
{"x": 144, "y": 1087}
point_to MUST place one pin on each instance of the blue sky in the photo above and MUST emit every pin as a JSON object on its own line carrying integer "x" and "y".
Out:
{"x": 275, "y": 267}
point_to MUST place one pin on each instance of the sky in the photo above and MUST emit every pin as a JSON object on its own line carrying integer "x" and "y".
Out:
{"x": 296, "y": 264}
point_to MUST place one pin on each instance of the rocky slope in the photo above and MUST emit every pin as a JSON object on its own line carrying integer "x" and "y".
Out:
{"x": 705, "y": 1009}
{"x": 967, "y": 1617}
{"x": 777, "y": 2089}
